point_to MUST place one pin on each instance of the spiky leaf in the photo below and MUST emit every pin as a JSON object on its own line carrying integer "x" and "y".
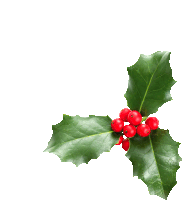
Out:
{"x": 79, "y": 139}
{"x": 155, "y": 161}
{"x": 150, "y": 82}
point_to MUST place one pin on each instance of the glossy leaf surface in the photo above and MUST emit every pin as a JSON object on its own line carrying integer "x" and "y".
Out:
{"x": 155, "y": 161}
{"x": 79, "y": 139}
{"x": 150, "y": 82}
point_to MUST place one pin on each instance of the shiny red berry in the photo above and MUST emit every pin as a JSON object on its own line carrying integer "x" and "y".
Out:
{"x": 134, "y": 118}
{"x": 152, "y": 122}
{"x": 120, "y": 140}
{"x": 126, "y": 144}
{"x": 143, "y": 130}
{"x": 124, "y": 114}
{"x": 129, "y": 130}
{"x": 117, "y": 125}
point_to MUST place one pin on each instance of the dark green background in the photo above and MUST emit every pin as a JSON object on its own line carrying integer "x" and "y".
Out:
{"x": 72, "y": 58}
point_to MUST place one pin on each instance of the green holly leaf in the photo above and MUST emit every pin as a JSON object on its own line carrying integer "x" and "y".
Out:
{"x": 150, "y": 82}
{"x": 79, "y": 139}
{"x": 155, "y": 161}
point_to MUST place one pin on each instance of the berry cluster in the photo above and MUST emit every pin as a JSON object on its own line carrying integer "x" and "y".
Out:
{"x": 135, "y": 126}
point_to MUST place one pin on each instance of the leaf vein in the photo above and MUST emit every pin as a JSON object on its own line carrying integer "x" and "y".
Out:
{"x": 148, "y": 86}
{"x": 141, "y": 75}
{"x": 83, "y": 138}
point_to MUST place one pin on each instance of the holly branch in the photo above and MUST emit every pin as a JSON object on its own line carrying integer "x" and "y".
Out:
{"x": 152, "y": 151}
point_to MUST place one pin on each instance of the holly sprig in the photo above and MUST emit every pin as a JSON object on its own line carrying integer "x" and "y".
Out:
{"x": 152, "y": 151}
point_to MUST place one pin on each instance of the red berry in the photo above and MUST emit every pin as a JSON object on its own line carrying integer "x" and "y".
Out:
{"x": 120, "y": 140}
{"x": 152, "y": 122}
{"x": 124, "y": 114}
{"x": 117, "y": 125}
{"x": 134, "y": 118}
{"x": 129, "y": 130}
{"x": 143, "y": 130}
{"x": 126, "y": 144}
